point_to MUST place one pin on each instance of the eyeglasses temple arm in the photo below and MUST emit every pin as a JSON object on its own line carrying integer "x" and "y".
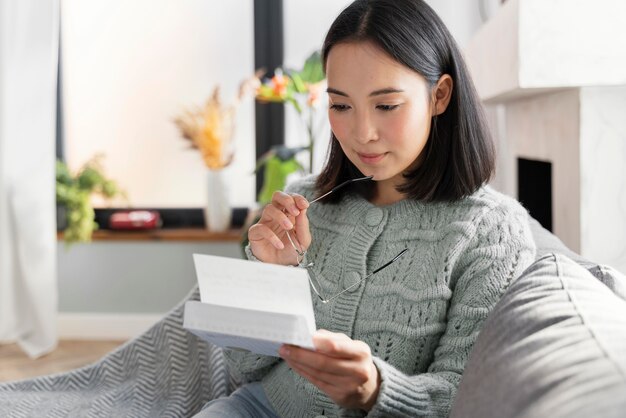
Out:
{"x": 388, "y": 263}
{"x": 372, "y": 273}
{"x": 339, "y": 187}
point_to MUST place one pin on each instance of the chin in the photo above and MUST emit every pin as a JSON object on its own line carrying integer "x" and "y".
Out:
{"x": 386, "y": 176}
{"x": 380, "y": 172}
{"x": 379, "y": 175}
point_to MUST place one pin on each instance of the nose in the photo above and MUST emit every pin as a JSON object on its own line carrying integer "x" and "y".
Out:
{"x": 364, "y": 128}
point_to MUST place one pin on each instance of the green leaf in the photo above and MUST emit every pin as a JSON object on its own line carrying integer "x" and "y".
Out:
{"x": 63, "y": 173}
{"x": 313, "y": 71}
{"x": 275, "y": 175}
{"x": 298, "y": 84}
{"x": 109, "y": 188}
{"x": 74, "y": 193}
{"x": 295, "y": 104}
{"x": 90, "y": 178}
{"x": 263, "y": 160}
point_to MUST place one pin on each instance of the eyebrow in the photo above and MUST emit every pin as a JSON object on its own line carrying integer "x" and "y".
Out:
{"x": 387, "y": 90}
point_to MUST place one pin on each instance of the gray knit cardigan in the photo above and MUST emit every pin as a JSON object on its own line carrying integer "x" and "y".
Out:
{"x": 421, "y": 315}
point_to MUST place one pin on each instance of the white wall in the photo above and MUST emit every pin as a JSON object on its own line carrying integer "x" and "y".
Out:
{"x": 129, "y": 67}
{"x": 116, "y": 290}
{"x": 462, "y": 18}
{"x": 131, "y": 276}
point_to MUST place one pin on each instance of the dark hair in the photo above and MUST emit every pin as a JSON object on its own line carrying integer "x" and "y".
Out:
{"x": 459, "y": 155}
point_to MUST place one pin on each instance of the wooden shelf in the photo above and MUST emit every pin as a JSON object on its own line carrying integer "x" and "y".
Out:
{"x": 174, "y": 234}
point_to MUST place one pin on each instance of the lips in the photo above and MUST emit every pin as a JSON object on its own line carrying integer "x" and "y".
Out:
{"x": 371, "y": 158}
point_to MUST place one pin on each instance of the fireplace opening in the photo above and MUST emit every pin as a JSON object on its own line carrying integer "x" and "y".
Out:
{"x": 534, "y": 189}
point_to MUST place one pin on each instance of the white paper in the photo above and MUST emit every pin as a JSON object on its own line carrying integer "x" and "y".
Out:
{"x": 251, "y": 305}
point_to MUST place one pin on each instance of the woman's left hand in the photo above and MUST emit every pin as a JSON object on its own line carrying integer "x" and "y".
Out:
{"x": 340, "y": 367}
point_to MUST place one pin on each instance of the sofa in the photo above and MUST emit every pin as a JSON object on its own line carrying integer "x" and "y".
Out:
{"x": 554, "y": 346}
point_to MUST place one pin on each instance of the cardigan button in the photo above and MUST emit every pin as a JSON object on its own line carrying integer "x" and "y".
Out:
{"x": 352, "y": 278}
{"x": 374, "y": 217}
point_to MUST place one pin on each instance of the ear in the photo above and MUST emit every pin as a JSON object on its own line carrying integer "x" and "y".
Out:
{"x": 442, "y": 94}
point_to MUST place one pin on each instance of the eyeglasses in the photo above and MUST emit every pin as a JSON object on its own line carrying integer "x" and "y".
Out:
{"x": 316, "y": 286}
{"x": 299, "y": 253}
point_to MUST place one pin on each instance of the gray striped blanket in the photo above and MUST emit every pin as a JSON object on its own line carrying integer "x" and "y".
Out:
{"x": 165, "y": 372}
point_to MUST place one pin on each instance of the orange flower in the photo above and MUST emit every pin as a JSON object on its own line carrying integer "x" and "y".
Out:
{"x": 315, "y": 91}
{"x": 279, "y": 84}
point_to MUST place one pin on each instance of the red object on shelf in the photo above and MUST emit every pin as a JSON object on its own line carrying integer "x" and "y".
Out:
{"x": 135, "y": 219}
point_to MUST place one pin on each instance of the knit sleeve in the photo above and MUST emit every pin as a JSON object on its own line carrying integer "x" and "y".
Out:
{"x": 249, "y": 367}
{"x": 501, "y": 248}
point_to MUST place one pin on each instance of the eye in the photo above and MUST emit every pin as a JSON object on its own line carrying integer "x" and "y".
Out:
{"x": 387, "y": 108}
{"x": 339, "y": 107}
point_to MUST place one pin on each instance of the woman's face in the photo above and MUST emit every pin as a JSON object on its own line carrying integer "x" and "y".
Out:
{"x": 379, "y": 110}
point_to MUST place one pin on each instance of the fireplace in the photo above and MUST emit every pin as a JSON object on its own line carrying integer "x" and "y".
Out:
{"x": 534, "y": 189}
{"x": 556, "y": 96}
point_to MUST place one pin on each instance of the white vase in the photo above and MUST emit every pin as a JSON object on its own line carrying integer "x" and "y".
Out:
{"x": 217, "y": 214}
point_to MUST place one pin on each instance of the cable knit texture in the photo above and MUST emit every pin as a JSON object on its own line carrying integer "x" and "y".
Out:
{"x": 421, "y": 315}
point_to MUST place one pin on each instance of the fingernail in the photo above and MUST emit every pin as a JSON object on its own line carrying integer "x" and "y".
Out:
{"x": 295, "y": 211}
{"x": 287, "y": 224}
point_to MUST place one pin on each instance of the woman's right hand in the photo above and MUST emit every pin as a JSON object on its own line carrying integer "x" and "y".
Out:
{"x": 268, "y": 237}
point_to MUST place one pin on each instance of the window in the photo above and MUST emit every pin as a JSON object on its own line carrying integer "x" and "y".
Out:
{"x": 128, "y": 68}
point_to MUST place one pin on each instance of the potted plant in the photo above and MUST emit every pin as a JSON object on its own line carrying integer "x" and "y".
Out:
{"x": 300, "y": 89}
{"x": 210, "y": 130}
{"x": 75, "y": 214}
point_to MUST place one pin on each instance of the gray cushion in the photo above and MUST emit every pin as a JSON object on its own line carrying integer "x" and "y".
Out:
{"x": 548, "y": 243}
{"x": 554, "y": 346}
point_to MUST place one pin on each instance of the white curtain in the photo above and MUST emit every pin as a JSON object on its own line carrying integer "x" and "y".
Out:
{"x": 29, "y": 42}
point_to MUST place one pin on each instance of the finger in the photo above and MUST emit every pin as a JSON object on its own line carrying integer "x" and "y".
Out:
{"x": 319, "y": 361}
{"x": 325, "y": 387}
{"x": 301, "y": 201}
{"x": 345, "y": 391}
{"x": 274, "y": 214}
{"x": 303, "y": 232}
{"x": 331, "y": 380}
{"x": 260, "y": 232}
{"x": 285, "y": 201}
{"x": 330, "y": 334}
{"x": 340, "y": 345}
{"x": 333, "y": 370}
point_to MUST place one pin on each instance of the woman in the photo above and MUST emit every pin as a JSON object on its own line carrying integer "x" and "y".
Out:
{"x": 402, "y": 108}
